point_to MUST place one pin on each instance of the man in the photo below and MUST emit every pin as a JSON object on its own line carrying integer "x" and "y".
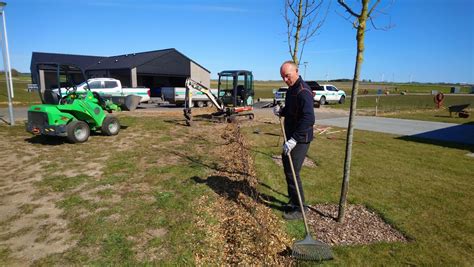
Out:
{"x": 299, "y": 120}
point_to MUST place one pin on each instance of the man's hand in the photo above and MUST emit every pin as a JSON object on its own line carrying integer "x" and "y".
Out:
{"x": 277, "y": 110}
{"x": 288, "y": 146}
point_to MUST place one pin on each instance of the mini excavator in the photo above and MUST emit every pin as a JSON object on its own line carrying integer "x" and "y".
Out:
{"x": 235, "y": 95}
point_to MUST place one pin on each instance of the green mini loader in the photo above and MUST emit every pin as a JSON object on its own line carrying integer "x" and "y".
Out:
{"x": 73, "y": 115}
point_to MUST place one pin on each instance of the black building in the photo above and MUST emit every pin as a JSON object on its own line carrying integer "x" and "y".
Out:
{"x": 167, "y": 67}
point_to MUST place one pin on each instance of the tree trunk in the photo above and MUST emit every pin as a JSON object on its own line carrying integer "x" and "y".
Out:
{"x": 350, "y": 131}
{"x": 297, "y": 33}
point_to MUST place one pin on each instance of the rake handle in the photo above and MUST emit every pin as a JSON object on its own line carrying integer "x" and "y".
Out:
{"x": 294, "y": 179}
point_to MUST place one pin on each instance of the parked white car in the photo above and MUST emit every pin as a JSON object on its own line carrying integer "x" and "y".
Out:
{"x": 328, "y": 93}
{"x": 279, "y": 95}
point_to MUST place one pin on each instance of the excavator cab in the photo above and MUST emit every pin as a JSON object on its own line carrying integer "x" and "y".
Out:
{"x": 235, "y": 95}
{"x": 235, "y": 88}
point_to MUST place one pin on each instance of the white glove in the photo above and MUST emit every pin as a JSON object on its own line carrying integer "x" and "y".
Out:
{"x": 277, "y": 110}
{"x": 288, "y": 146}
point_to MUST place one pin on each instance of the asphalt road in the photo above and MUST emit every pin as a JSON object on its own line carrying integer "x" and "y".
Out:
{"x": 457, "y": 133}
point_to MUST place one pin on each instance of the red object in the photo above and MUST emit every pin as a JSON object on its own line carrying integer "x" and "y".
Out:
{"x": 240, "y": 109}
{"x": 438, "y": 99}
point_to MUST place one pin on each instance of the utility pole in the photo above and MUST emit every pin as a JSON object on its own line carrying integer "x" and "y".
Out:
{"x": 6, "y": 63}
{"x": 305, "y": 64}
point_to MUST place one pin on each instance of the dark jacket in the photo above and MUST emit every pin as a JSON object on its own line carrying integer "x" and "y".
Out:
{"x": 299, "y": 112}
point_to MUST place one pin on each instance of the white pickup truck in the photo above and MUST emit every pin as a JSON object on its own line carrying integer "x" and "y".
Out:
{"x": 112, "y": 88}
{"x": 328, "y": 93}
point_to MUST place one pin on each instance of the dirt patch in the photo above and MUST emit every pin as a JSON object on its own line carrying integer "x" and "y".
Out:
{"x": 143, "y": 252}
{"x": 31, "y": 225}
{"x": 361, "y": 226}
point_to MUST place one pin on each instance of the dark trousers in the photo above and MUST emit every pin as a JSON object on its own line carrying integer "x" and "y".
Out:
{"x": 298, "y": 155}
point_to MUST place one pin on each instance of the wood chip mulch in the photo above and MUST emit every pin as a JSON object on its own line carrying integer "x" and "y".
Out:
{"x": 247, "y": 232}
{"x": 360, "y": 227}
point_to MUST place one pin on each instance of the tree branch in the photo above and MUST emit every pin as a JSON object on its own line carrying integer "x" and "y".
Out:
{"x": 373, "y": 7}
{"x": 348, "y": 9}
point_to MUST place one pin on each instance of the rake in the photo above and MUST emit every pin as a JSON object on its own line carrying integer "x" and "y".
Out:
{"x": 308, "y": 248}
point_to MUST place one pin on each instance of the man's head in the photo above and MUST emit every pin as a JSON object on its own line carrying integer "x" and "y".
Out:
{"x": 289, "y": 72}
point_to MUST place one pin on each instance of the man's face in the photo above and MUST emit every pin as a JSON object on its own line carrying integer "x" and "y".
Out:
{"x": 289, "y": 74}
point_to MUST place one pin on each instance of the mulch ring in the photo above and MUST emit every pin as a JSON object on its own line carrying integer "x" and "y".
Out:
{"x": 361, "y": 226}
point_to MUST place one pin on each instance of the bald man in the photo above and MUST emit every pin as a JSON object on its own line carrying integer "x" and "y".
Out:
{"x": 299, "y": 120}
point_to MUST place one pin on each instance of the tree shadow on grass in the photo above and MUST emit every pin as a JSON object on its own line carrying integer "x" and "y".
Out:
{"x": 213, "y": 165}
{"x": 231, "y": 189}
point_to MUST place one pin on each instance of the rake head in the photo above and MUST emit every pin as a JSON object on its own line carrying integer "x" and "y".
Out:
{"x": 312, "y": 250}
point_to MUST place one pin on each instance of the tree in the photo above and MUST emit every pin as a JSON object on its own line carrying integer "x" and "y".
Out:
{"x": 301, "y": 17}
{"x": 360, "y": 23}
{"x": 15, "y": 73}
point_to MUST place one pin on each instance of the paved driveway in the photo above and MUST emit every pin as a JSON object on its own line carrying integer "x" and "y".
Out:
{"x": 451, "y": 132}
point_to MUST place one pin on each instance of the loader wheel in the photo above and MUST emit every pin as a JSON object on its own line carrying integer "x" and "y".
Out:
{"x": 110, "y": 126}
{"x": 78, "y": 132}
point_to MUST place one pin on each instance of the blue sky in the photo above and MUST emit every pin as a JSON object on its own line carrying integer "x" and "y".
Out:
{"x": 431, "y": 41}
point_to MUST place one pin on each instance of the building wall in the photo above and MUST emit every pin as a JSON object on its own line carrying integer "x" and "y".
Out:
{"x": 200, "y": 75}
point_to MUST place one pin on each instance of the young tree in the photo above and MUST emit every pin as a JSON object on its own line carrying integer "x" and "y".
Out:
{"x": 360, "y": 23}
{"x": 302, "y": 20}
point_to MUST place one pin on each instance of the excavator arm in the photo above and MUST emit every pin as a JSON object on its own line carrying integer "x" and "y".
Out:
{"x": 191, "y": 84}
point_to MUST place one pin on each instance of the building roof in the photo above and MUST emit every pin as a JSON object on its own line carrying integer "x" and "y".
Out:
{"x": 126, "y": 61}
{"x": 78, "y": 60}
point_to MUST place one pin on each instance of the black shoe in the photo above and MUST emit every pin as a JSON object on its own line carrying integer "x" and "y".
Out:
{"x": 294, "y": 214}
{"x": 289, "y": 207}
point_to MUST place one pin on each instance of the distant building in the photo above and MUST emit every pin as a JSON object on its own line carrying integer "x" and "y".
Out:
{"x": 153, "y": 69}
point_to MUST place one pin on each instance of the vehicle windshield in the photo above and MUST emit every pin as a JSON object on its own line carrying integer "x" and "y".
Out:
{"x": 81, "y": 84}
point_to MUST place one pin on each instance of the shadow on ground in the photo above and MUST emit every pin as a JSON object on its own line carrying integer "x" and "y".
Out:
{"x": 458, "y": 136}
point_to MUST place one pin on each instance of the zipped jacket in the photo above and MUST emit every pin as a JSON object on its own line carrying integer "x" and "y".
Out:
{"x": 299, "y": 112}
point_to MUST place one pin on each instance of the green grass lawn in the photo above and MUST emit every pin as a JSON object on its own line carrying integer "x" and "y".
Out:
{"x": 144, "y": 186}
{"x": 439, "y": 115}
{"x": 21, "y": 96}
{"x": 423, "y": 189}
{"x": 134, "y": 194}
{"x": 392, "y": 103}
